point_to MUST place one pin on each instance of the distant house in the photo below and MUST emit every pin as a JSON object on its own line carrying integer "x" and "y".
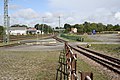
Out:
{"x": 39, "y": 32}
{"x": 18, "y": 31}
{"x": 34, "y": 31}
{"x": 31, "y": 31}
{"x": 73, "y": 30}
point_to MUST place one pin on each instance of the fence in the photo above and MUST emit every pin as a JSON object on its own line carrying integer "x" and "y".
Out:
{"x": 67, "y": 66}
{"x": 71, "y": 60}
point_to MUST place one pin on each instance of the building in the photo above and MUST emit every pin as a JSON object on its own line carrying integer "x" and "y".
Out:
{"x": 18, "y": 31}
{"x": 34, "y": 31}
{"x": 31, "y": 31}
{"x": 73, "y": 30}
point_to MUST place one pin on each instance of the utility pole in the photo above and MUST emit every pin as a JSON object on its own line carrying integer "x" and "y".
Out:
{"x": 59, "y": 24}
{"x": 43, "y": 19}
{"x": 5, "y": 34}
{"x": 8, "y": 26}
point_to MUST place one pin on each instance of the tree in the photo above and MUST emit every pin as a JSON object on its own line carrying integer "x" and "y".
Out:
{"x": 93, "y": 26}
{"x": 80, "y": 28}
{"x": 37, "y": 26}
{"x": 100, "y": 27}
{"x": 86, "y": 27}
{"x": 44, "y": 27}
{"x": 116, "y": 27}
{"x": 1, "y": 30}
{"x": 67, "y": 28}
{"x": 24, "y": 26}
{"x": 109, "y": 27}
{"x": 18, "y": 25}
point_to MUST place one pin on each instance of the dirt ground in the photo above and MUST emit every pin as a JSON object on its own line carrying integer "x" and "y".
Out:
{"x": 29, "y": 62}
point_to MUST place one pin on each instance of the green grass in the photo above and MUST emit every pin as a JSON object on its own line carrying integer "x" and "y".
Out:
{"x": 37, "y": 65}
{"x": 112, "y": 49}
{"x": 24, "y": 37}
{"x": 33, "y": 65}
{"x": 86, "y": 39}
{"x": 84, "y": 67}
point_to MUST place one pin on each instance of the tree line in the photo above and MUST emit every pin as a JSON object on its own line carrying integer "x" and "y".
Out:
{"x": 87, "y": 27}
{"x": 43, "y": 27}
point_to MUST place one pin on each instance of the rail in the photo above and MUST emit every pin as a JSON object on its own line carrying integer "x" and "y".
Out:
{"x": 109, "y": 62}
{"x": 67, "y": 69}
{"x": 102, "y": 55}
{"x": 110, "y": 65}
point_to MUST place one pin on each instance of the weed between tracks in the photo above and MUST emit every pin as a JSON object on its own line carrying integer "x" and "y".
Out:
{"x": 25, "y": 65}
{"x": 85, "y": 67}
{"x": 110, "y": 49}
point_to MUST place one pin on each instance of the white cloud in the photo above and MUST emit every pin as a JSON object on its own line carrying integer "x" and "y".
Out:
{"x": 48, "y": 14}
{"x": 117, "y": 15}
{"x": 1, "y": 19}
{"x": 71, "y": 11}
{"x": 26, "y": 14}
{"x": 83, "y": 5}
{"x": 93, "y": 10}
{"x": 14, "y": 7}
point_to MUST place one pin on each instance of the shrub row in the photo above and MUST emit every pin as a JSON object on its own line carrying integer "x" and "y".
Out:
{"x": 72, "y": 37}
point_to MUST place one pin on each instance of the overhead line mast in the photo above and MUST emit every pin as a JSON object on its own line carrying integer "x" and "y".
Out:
{"x": 6, "y": 23}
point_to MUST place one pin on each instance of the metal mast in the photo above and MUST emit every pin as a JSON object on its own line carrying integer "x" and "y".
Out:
{"x": 59, "y": 23}
{"x": 5, "y": 35}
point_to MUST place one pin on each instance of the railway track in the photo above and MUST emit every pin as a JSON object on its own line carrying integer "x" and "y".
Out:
{"x": 22, "y": 37}
{"x": 111, "y": 63}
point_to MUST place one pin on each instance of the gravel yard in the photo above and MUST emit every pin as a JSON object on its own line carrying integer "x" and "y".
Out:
{"x": 106, "y": 37}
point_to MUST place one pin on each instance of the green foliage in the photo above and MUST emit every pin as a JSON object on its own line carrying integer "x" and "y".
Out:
{"x": 1, "y": 30}
{"x": 18, "y": 25}
{"x": 87, "y": 27}
{"x": 112, "y": 49}
{"x": 85, "y": 67}
{"x": 67, "y": 28}
{"x": 72, "y": 37}
{"x": 44, "y": 27}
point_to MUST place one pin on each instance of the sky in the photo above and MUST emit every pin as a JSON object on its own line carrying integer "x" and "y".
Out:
{"x": 31, "y": 12}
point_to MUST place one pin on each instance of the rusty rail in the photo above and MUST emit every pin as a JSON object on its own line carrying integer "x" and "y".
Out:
{"x": 67, "y": 65}
{"x": 115, "y": 60}
{"x": 107, "y": 61}
{"x": 71, "y": 62}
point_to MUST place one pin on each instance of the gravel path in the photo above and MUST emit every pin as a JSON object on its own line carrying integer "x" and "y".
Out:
{"x": 50, "y": 45}
{"x": 106, "y": 37}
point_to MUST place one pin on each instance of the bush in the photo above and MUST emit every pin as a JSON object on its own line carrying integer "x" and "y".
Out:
{"x": 72, "y": 37}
